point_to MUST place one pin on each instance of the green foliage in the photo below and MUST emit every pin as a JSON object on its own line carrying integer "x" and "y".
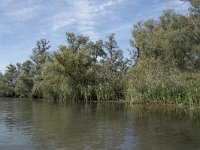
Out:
{"x": 8, "y": 81}
{"x": 40, "y": 54}
{"x": 39, "y": 57}
{"x": 86, "y": 70}
{"x": 24, "y": 81}
{"x": 2, "y": 85}
{"x": 195, "y": 6}
{"x": 174, "y": 39}
{"x": 176, "y": 88}
{"x": 168, "y": 64}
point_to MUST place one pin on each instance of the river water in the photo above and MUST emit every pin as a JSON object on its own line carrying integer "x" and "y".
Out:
{"x": 31, "y": 125}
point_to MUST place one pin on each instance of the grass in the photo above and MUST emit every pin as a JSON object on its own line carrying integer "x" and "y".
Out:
{"x": 174, "y": 87}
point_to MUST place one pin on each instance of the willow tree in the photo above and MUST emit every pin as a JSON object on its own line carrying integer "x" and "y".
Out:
{"x": 113, "y": 71}
{"x": 9, "y": 81}
{"x": 2, "y": 90}
{"x": 71, "y": 72}
{"x": 24, "y": 81}
{"x": 195, "y": 6}
{"x": 85, "y": 70}
{"x": 168, "y": 48}
{"x": 39, "y": 57}
{"x": 173, "y": 39}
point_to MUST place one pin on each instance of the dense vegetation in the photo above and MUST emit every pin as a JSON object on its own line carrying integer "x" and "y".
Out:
{"x": 168, "y": 63}
{"x": 164, "y": 65}
{"x": 80, "y": 70}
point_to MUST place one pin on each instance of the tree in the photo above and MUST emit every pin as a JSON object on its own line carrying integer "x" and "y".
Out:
{"x": 195, "y": 6}
{"x": 24, "y": 81}
{"x": 39, "y": 57}
{"x": 73, "y": 64}
{"x": 173, "y": 39}
{"x": 9, "y": 80}
{"x": 167, "y": 68}
{"x": 2, "y": 85}
{"x": 83, "y": 69}
{"x": 115, "y": 68}
{"x": 40, "y": 54}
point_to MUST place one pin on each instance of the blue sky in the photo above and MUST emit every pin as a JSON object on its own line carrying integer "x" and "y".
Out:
{"x": 23, "y": 22}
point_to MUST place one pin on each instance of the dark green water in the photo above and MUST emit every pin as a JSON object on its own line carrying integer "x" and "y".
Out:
{"x": 27, "y": 125}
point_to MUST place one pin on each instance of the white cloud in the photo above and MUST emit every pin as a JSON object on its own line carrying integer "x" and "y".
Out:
{"x": 19, "y": 10}
{"x": 83, "y": 15}
{"x": 108, "y": 4}
{"x": 59, "y": 23}
{"x": 171, "y": 4}
{"x": 24, "y": 13}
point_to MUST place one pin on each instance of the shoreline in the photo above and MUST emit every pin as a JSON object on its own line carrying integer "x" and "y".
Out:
{"x": 131, "y": 103}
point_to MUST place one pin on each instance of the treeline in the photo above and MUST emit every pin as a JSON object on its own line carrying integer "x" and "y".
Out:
{"x": 80, "y": 70}
{"x": 164, "y": 65}
{"x": 168, "y": 59}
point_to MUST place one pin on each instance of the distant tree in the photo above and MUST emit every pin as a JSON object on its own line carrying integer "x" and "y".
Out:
{"x": 168, "y": 65}
{"x": 39, "y": 57}
{"x": 115, "y": 67}
{"x": 85, "y": 70}
{"x": 72, "y": 64}
{"x": 173, "y": 39}
{"x": 195, "y": 6}
{"x": 24, "y": 82}
{"x": 2, "y": 85}
{"x": 9, "y": 80}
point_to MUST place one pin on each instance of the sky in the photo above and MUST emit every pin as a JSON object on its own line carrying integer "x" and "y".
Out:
{"x": 23, "y": 22}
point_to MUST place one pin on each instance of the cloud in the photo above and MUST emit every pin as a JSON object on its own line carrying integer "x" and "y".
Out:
{"x": 20, "y": 10}
{"x": 106, "y": 4}
{"x": 25, "y": 21}
{"x": 61, "y": 22}
{"x": 83, "y": 15}
{"x": 25, "y": 13}
{"x": 171, "y": 4}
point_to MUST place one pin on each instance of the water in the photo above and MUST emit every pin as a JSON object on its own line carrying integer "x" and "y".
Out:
{"x": 25, "y": 125}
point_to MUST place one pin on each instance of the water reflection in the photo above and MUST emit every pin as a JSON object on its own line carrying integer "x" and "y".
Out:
{"x": 167, "y": 128}
{"x": 41, "y": 125}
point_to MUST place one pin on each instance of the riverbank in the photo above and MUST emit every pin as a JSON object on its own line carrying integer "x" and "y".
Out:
{"x": 148, "y": 103}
